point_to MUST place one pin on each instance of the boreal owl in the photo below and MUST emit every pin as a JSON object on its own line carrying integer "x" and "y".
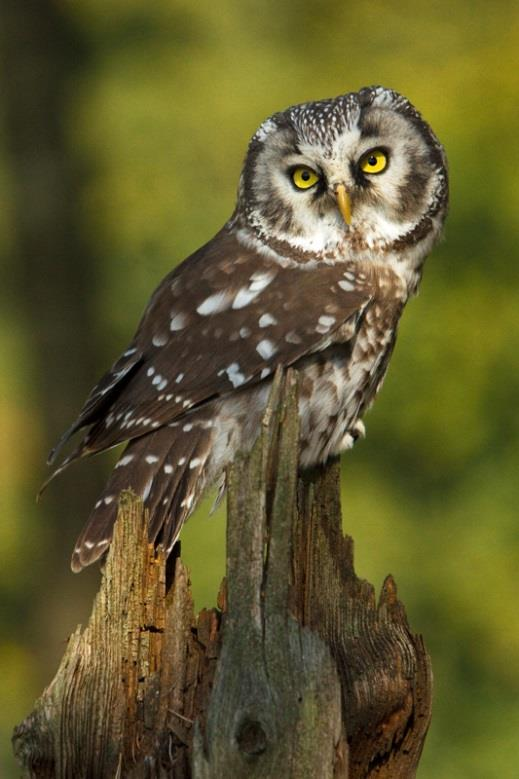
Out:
{"x": 339, "y": 203}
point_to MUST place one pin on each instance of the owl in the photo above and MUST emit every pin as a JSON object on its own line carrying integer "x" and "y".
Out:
{"x": 339, "y": 202}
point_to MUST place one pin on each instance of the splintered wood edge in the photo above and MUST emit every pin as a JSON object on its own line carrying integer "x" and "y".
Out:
{"x": 105, "y": 664}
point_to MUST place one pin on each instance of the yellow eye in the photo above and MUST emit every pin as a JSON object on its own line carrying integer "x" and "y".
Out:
{"x": 374, "y": 161}
{"x": 304, "y": 177}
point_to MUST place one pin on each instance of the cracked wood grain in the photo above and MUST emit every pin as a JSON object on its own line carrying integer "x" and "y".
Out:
{"x": 299, "y": 673}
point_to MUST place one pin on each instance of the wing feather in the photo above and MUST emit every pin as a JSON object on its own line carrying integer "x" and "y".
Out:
{"x": 224, "y": 319}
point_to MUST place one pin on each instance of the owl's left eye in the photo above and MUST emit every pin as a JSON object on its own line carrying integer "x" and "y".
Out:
{"x": 374, "y": 161}
{"x": 304, "y": 178}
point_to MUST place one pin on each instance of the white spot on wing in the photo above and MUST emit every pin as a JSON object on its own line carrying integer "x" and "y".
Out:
{"x": 147, "y": 489}
{"x": 266, "y": 320}
{"x": 324, "y": 323}
{"x": 347, "y": 286}
{"x": 159, "y": 340}
{"x": 214, "y": 304}
{"x": 236, "y": 377}
{"x": 244, "y": 296}
{"x": 266, "y": 349}
{"x": 260, "y": 280}
{"x": 124, "y": 460}
{"x": 178, "y": 321}
{"x": 151, "y": 458}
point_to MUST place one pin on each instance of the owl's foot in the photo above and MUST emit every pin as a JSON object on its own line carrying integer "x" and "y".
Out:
{"x": 358, "y": 430}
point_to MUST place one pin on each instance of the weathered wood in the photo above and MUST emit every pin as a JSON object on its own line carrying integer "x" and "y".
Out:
{"x": 299, "y": 674}
{"x": 275, "y": 708}
{"x": 129, "y": 686}
{"x": 385, "y": 672}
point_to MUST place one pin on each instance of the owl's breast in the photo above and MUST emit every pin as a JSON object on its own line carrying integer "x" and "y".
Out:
{"x": 340, "y": 383}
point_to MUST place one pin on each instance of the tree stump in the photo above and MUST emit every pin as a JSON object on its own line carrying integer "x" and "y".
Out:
{"x": 299, "y": 673}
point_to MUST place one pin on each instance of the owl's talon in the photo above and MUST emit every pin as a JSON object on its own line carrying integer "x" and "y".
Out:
{"x": 358, "y": 430}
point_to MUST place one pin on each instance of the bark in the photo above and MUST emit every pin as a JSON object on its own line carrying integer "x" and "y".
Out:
{"x": 299, "y": 673}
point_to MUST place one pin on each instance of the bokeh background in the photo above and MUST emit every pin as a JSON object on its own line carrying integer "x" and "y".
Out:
{"x": 123, "y": 128}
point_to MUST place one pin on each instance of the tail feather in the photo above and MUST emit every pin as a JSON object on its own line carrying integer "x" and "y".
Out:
{"x": 172, "y": 499}
{"x": 166, "y": 468}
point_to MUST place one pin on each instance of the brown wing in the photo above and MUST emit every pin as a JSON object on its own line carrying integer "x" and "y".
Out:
{"x": 225, "y": 318}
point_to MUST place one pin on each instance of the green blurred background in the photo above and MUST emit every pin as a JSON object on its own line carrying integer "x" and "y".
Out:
{"x": 124, "y": 125}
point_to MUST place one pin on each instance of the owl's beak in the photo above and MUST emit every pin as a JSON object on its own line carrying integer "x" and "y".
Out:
{"x": 344, "y": 202}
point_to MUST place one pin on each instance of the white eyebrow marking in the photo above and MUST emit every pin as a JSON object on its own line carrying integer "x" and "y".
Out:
{"x": 214, "y": 303}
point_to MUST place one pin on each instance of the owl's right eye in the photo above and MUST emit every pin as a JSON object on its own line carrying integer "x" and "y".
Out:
{"x": 303, "y": 177}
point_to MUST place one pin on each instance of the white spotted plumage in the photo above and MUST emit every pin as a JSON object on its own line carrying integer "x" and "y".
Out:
{"x": 285, "y": 282}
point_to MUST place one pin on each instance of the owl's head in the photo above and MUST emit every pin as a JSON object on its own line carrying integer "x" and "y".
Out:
{"x": 360, "y": 172}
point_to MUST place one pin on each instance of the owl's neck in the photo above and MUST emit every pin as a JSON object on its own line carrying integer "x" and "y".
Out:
{"x": 405, "y": 252}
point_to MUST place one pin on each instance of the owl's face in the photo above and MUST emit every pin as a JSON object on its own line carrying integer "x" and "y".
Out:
{"x": 359, "y": 172}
